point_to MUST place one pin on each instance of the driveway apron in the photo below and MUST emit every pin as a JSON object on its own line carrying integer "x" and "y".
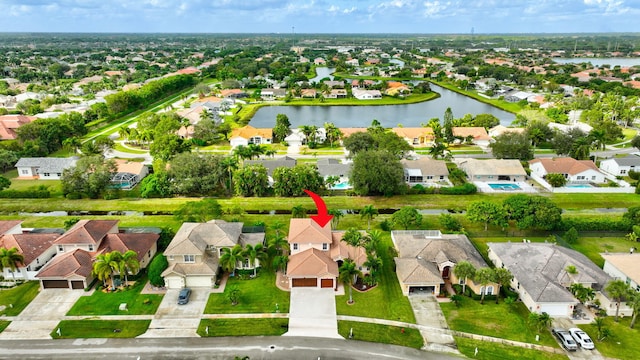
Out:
{"x": 313, "y": 313}
{"x": 173, "y": 320}
{"x": 428, "y": 313}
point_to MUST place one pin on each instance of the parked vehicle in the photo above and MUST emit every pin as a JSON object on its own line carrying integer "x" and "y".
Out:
{"x": 566, "y": 340}
{"x": 183, "y": 297}
{"x": 582, "y": 338}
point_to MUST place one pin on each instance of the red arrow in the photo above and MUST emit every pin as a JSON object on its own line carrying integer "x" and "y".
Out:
{"x": 323, "y": 216}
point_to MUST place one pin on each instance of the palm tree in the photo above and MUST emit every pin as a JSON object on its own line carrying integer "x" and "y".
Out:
{"x": 337, "y": 214}
{"x": 483, "y": 277}
{"x": 502, "y": 277}
{"x": 277, "y": 226}
{"x": 374, "y": 263}
{"x": 230, "y": 164}
{"x": 374, "y": 237}
{"x": 352, "y": 237}
{"x": 464, "y": 269}
{"x": 634, "y": 303}
{"x": 348, "y": 275}
{"x": 123, "y": 132}
{"x": 280, "y": 263}
{"x": 230, "y": 258}
{"x": 581, "y": 292}
{"x": 617, "y": 289}
{"x": 242, "y": 152}
{"x": 298, "y": 212}
{"x": 10, "y": 258}
{"x": 254, "y": 252}
{"x": 72, "y": 144}
{"x": 106, "y": 265}
{"x": 368, "y": 212}
{"x": 129, "y": 263}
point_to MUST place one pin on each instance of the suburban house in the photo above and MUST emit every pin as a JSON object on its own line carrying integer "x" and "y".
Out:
{"x": 623, "y": 266}
{"x": 44, "y": 168}
{"x": 333, "y": 167}
{"x": 361, "y": 94}
{"x": 193, "y": 114}
{"x": 272, "y": 164}
{"x": 308, "y": 93}
{"x": 575, "y": 171}
{"x": 337, "y": 94}
{"x": 77, "y": 248}
{"x": 9, "y": 124}
{"x": 426, "y": 259}
{"x": 501, "y": 130}
{"x": 129, "y": 174}
{"x": 233, "y": 93}
{"x": 477, "y": 134}
{"x": 425, "y": 171}
{"x": 542, "y": 275}
{"x": 249, "y": 135}
{"x": 422, "y": 136}
{"x": 317, "y": 253}
{"x": 333, "y": 84}
{"x": 36, "y": 249}
{"x": 194, "y": 252}
{"x": 493, "y": 170}
{"x": 621, "y": 166}
{"x": 272, "y": 94}
{"x": 397, "y": 88}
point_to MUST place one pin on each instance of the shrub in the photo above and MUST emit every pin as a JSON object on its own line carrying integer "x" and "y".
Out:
{"x": 449, "y": 223}
{"x": 571, "y": 236}
{"x": 385, "y": 225}
{"x": 74, "y": 196}
{"x": 595, "y": 224}
{"x": 157, "y": 266}
{"x": 465, "y": 189}
{"x": 25, "y": 194}
{"x": 635, "y": 175}
{"x": 556, "y": 180}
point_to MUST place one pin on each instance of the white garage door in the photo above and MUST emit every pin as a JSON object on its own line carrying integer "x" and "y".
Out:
{"x": 173, "y": 282}
{"x": 199, "y": 281}
{"x": 555, "y": 309}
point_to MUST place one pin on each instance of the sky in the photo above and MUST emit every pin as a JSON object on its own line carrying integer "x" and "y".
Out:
{"x": 321, "y": 16}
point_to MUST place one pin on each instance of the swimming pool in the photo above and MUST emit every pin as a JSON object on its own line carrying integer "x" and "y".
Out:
{"x": 341, "y": 186}
{"x": 579, "y": 186}
{"x": 505, "y": 187}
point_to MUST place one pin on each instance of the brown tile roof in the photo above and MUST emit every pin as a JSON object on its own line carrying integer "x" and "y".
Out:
{"x": 9, "y": 124}
{"x": 350, "y": 131}
{"x": 413, "y": 133}
{"x": 307, "y": 231}
{"x": 311, "y": 263}
{"x": 132, "y": 167}
{"x": 78, "y": 262}
{"x": 478, "y": 133}
{"x": 249, "y": 131}
{"x": 417, "y": 271}
{"x": 565, "y": 165}
{"x": 141, "y": 243}
{"x": 87, "y": 232}
{"x": 6, "y": 225}
{"x": 340, "y": 250}
{"x": 29, "y": 245}
{"x": 229, "y": 92}
{"x": 193, "y": 238}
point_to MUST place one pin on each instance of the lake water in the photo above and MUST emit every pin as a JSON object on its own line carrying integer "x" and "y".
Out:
{"x": 409, "y": 115}
{"x": 323, "y": 72}
{"x": 623, "y": 62}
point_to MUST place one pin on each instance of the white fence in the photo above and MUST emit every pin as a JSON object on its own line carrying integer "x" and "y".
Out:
{"x": 590, "y": 190}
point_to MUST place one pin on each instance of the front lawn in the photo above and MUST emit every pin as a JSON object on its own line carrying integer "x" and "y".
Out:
{"x": 258, "y": 295}
{"x": 623, "y": 342}
{"x": 496, "y": 320}
{"x": 101, "y": 303}
{"x": 19, "y": 296}
{"x": 385, "y": 301}
{"x": 4, "y": 324}
{"x": 85, "y": 329}
{"x": 378, "y": 333}
{"x": 243, "y": 327}
{"x": 491, "y": 351}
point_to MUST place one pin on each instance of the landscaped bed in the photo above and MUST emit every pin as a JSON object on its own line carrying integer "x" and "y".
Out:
{"x": 622, "y": 343}
{"x": 84, "y": 329}
{"x": 17, "y": 298}
{"x": 381, "y": 333}
{"x": 243, "y": 327}
{"x": 257, "y": 295}
{"x": 492, "y": 351}
{"x": 102, "y": 303}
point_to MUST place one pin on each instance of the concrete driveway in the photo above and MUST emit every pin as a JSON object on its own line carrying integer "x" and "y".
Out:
{"x": 312, "y": 312}
{"x": 566, "y": 323}
{"x": 173, "y": 320}
{"x": 428, "y": 313}
{"x": 42, "y": 315}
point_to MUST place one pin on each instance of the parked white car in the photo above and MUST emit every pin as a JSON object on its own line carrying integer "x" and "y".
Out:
{"x": 582, "y": 338}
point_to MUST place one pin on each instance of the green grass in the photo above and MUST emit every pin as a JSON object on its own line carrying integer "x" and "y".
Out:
{"x": 501, "y": 104}
{"x": 243, "y": 327}
{"x": 385, "y": 301}
{"x": 101, "y": 303}
{"x": 4, "y": 324}
{"x": 496, "y": 320}
{"x": 623, "y": 344}
{"x": 128, "y": 149}
{"x": 85, "y": 329}
{"x": 384, "y": 334}
{"x": 258, "y": 295}
{"x": 493, "y": 351}
{"x": 591, "y": 247}
{"x": 19, "y": 296}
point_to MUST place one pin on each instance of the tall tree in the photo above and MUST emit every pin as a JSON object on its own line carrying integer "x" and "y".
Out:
{"x": 486, "y": 212}
{"x": 447, "y": 126}
{"x": 618, "y": 290}
{"x": 348, "y": 273}
{"x": 466, "y": 270}
{"x": 406, "y": 217}
{"x": 253, "y": 252}
{"x": 483, "y": 277}
{"x": 129, "y": 264}
{"x": 231, "y": 257}
{"x": 368, "y": 212}
{"x": 105, "y": 266}
{"x": 352, "y": 237}
{"x": 376, "y": 173}
{"x": 502, "y": 277}
{"x": 251, "y": 180}
{"x": 529, "y": 212}
{"x": 633, "y": 301}
{"x": 10, "y": 259}
{"x": 333, "y": 133}
{"x": 512, "y": 145}
{"x": 91, "y": 176}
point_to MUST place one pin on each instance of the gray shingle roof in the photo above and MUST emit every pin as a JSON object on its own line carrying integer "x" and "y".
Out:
{"x": 273, "y": 164}
{"x": 631, "y": 160}
{"x": 48, "y": 165}
{"x": 333, "y": 167}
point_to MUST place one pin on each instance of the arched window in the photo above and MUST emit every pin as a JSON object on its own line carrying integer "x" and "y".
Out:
{"x": 489, "y": 290}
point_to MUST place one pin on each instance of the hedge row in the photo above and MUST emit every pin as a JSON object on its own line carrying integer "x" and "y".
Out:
{"x": 595, "y": 224}
{"x": 25, "y": 194}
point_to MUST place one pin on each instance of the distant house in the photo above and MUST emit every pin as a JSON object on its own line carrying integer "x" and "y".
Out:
{"x": 485, "y": 84}
{"x": 493, "y": 170}
{"x": 249, "y": 135}
{"x": 426, "y": 260}
{"x": 193, "y": 114}
{"x": 337, "y": 94}
{"x": 273, "y": 94}
{"x": 44, "y": 168}
{"x": 272, "y": 164}
{"x": 575, "y": 171}
{"x": 397, "y": 88}
{"x": 233, "y": 94}
{"x": 334, "y": 84}
{"x": 425, "y": 171}
{"x": 77, "y": 248}
{"x": 478, "y": 134}
{"x": 308, "y": 93}
{"x": 333, "y": 167}
{"x": 541, "y": 277}
{"x": 621, "y": 166}
{"x": 623, "y": 266}
{"x": 517, "y": 96}
{"x": 195, "y": 251}
{"x": 501, "y": 130}
{"x": 361, "y": 84}
{"x": 366, "y": 94}
{"x": 9, "y": 124}
{"x": 422, "y": 136}
{"x": 129, "y": 174}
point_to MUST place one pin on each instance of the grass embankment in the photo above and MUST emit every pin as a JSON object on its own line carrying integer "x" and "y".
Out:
{"x": 17, "y": 298}
{"x": 381, "y": 334}
{"x": 259, "y": 295}
{"x": 496, "y": 320}
{"x": 623, "y": 342}
{"x": 501, "y": 104}
{"x": 493, "y": 351}
{"x": 101, "y": 303}
{"x": 4, "y": 324}
{"x": 86, "y": 329}
{"x": 243, "y": 327}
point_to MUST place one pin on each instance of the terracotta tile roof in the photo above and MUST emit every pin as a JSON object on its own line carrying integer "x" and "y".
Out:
{"x": 413, "y": 133}
{"x": 249, "y": 131}
{"x": 78, "y": 262}
{"x": 126, "y": 166}
{"x": 141, "y": 243}
{"x": 350, "y": 131}
{"x": 9, "y": 124}
{"x": 307, "y": 231}
{"x": 311, "y": 263}
{"x": 478, "y": 133}
{"x": 87, "y": 232}
{"x": 6, "y": 225}
{"x": 229, "y": 92}
{"x": 29, "y": 245}
{"x": 193, "y": 238}
{"x": 188, "y": 71}
{"x": 340, "y": 250}
{"x": 565, "y": 165}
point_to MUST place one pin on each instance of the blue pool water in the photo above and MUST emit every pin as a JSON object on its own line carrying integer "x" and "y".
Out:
{"x": 581, "y": 186}
{"x": 506, "y": 186}
{"x": 342, "y": 186}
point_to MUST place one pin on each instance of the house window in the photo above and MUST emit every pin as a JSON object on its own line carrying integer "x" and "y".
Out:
{"x": 325, "y": 246}
{"x": 581, "y": 177}
{"x": 149, "y": 253}
{"x": 37, "y": 261}
{"x": 593, "y": 177}
{"x": 441, "y": 177}
{"x": 246, "y": 263}
{"x": 189, "y": 258}
{"x": 47, "y": 174}
{"x": 489, "y": 290}
{"x": 60, "y": 248}
{"x": 25, "y": 172}
{"x": 90, "y": 247}
{"x": 170, "y": 257}
{"x": 623, "y": 171}
{"x": 461, "y": 281}
{"x": 59, "y": 174}
{"x": 295, "y": 246}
